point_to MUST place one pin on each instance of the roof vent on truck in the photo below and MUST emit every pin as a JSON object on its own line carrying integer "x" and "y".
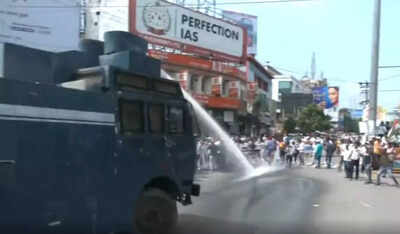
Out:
{"x": 118, "y": 41}
{"x": 127, "y": 52}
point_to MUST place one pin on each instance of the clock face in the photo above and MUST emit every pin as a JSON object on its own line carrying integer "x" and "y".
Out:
{"x": 156, "y": 17}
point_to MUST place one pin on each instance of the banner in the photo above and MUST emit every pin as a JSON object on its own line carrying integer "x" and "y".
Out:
{"x": 333, "y": 97}
{"x": 249, "y": 22}
{"x": 167, "y": 24}
{"x": 319, "y": 96}
{"x": 326, "y": 97}
{"x": 52, "y": 25}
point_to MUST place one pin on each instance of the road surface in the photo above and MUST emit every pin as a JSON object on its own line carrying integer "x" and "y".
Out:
{"x": 299, "y": 200}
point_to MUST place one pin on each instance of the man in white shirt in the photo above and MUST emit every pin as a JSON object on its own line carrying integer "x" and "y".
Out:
{"x": 355, "y": 160}
{"x": 347, "y": 158}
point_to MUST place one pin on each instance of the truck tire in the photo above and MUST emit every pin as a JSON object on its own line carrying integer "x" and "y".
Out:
{"x": 155, "y": 213}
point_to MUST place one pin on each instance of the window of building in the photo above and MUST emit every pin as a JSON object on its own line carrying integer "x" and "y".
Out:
{"x": 156, "y": 116}
{"x": 206, "y": 85}
{"x": 285, "y": 86}
{"x": 225, "y": 88}
{"x": 243, "y": 91}
{"x": 175, "y": 120}
{"x": 132, "y": 118}
{"x": 194, "y": 80}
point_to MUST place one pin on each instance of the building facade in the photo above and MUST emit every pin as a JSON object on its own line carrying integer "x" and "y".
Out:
{"x": 220, "y": 88}
{"x": 261, "y": 107}
{"x": 238, "y": 96}
{"x": 287, "y": 84}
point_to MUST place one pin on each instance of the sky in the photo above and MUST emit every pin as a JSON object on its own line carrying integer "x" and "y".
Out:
{"x": 339, "y": 32}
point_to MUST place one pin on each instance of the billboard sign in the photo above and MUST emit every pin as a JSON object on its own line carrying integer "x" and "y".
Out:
{"x": 326, "y": 97}
{"x": 319, "y": 95}
{"x": 332, "y": 99}
{"x": 249, "y": 22}
{"x": 167, "y": 24}
{"x": 52, "y": 25}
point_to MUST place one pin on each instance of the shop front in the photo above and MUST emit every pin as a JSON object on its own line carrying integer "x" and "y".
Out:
{"x": 220, "y": 88}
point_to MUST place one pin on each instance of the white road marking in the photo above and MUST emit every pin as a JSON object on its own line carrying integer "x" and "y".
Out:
{"x": 365, "y": 204}
{"x": 316, "y": 205}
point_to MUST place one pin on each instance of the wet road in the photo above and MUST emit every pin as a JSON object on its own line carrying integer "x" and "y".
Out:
{"x": 300, "y": 200}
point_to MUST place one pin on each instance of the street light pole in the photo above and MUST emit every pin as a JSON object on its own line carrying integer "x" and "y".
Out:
{"x": 375, "y": 64}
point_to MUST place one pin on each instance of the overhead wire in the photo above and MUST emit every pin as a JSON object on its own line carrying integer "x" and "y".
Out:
{"x": 390, "y": 77}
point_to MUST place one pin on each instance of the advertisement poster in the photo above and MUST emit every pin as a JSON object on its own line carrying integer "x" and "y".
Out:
{"x": 52, "y": 25}
{"x": 249, "y": 22}
{"x": 164, "y": 23}
{"x": 328, "y": 99}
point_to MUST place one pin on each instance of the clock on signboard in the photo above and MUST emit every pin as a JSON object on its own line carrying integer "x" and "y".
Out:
{"x": 157, "y": 18}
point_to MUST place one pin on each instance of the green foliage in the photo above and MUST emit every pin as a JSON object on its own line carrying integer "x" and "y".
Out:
{"x": 290, "y": 125}
{"x": 312, "y": 119}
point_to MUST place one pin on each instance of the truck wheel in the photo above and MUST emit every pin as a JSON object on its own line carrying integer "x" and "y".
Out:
{"x": 156, "y": 213}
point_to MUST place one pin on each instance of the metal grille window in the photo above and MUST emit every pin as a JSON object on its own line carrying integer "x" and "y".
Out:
{"x": 175, "y": 120}
{"x": 156, "y": 116}
{"x": 132, "y": 119}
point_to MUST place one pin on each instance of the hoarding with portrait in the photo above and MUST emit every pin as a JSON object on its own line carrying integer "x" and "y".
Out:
{"x": 249, "y": 22}
{"x": 328, "y": 99}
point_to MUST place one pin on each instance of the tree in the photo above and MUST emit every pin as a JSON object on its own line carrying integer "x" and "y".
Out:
{"x": 312, "y": 119}
{"x": 289, "y": 125}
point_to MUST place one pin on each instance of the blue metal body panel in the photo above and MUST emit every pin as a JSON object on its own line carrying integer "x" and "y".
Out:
{"x": 66, "y": 165}
{"x": 71, "y": 171}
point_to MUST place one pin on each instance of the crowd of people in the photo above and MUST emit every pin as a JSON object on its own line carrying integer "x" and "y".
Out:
{"x": 355, "y": 155}
{"x": 376, "y": 153}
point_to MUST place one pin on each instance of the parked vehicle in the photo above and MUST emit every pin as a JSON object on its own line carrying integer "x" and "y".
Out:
{"x": 112, "y": 149}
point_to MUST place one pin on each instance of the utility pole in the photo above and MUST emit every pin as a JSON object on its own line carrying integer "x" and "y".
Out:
{"x": 364, "y": 87}
{"x": 374, "y": 65}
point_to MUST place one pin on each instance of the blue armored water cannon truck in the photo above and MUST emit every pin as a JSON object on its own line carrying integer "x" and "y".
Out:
{"x": 92, "y": 141}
